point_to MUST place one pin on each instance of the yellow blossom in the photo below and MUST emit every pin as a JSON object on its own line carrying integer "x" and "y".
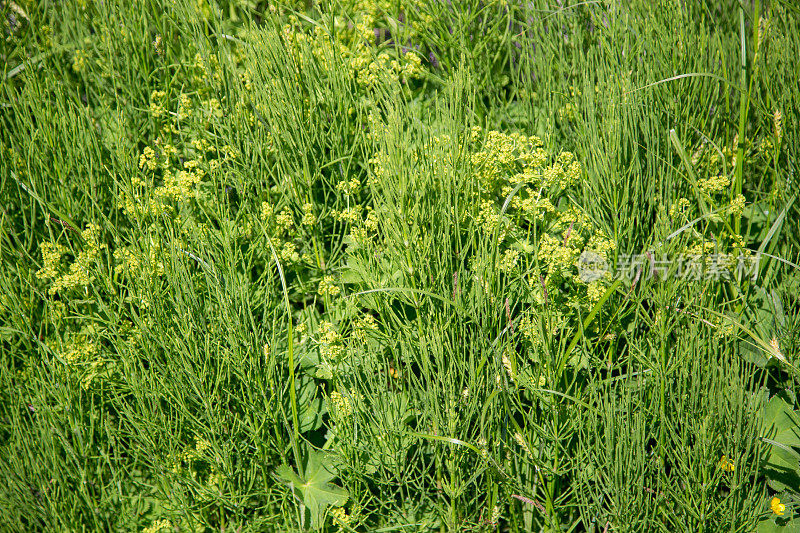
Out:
{"x": 777, "y": 507}
{"x": 350, "y": 215}
{"x": 509, "y": 260}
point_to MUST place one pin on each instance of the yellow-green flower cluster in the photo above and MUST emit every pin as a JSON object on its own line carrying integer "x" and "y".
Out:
{"x": 714, "y": 184}
{"x": 517, "y": 166}
{"x": 569, "y": 110}
{"x": 718, "y": 164}
{"x": 330, "y": 342}
{"x": 557, "y": 257}
{"x": 515, "y": 170}
{"x": 206, "y": 69}
{"x": 349, "y": 187}
{"x": 184, "y": 107}
{"x": 355, "y": 45}
{"x": 341, "y": 404}
{"x": 131, "y": 261}
{"x": 81, "y": 354}
{"x": 362, "y": 326}
{"x": 158, "y": 106}
{"x": 79, "y": 61}
{"x": 489, "y": 217}
{"x": 162, "y": 524}
{"x": 371, "y": 222}
{"x": 529, "y": 330}
{"x": 79, "y": 272}
{"x": 266, "y": 211}
{"x": 349, "y": 215}
{"x": 175, "y": 164}
{"x": 202, "y": 464}
{"x": 735, "y": 208}
{"x": 508, "y": 261}
{"x": 327, "y": 287}
{"x": 148, "y": 159}
{"x": 285, "y": 220}
{"x": 288, "y": 253}
{"x": 180, "y": 186}
{"x": 499, "y": 153}
{"x": 308, "y": 215}
{"x": 340, "y": 516}
{"x": 79, "y": 351}
{"x": 680, "y": 207}
{"x": 51, "y": 258}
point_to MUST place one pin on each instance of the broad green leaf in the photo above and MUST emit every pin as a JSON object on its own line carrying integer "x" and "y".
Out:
{"x": 316, "y": 491}
{"x": 778, "y": 525}
{"x": 310, "y": 417}
{"x": 782, "y": 433}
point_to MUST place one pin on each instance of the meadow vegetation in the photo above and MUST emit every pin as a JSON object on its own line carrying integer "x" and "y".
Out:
{"x": 361, "y": 265}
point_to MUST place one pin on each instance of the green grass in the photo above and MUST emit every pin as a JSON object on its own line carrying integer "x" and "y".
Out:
{"x": 317, "y": 266}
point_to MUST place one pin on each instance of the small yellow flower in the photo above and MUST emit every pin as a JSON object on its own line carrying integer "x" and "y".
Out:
{"x": 726, "y": 464}
{"x": 777, "y": 507}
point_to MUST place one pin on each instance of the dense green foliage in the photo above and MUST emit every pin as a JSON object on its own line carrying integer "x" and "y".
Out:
{"x": 464, "y": 265}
